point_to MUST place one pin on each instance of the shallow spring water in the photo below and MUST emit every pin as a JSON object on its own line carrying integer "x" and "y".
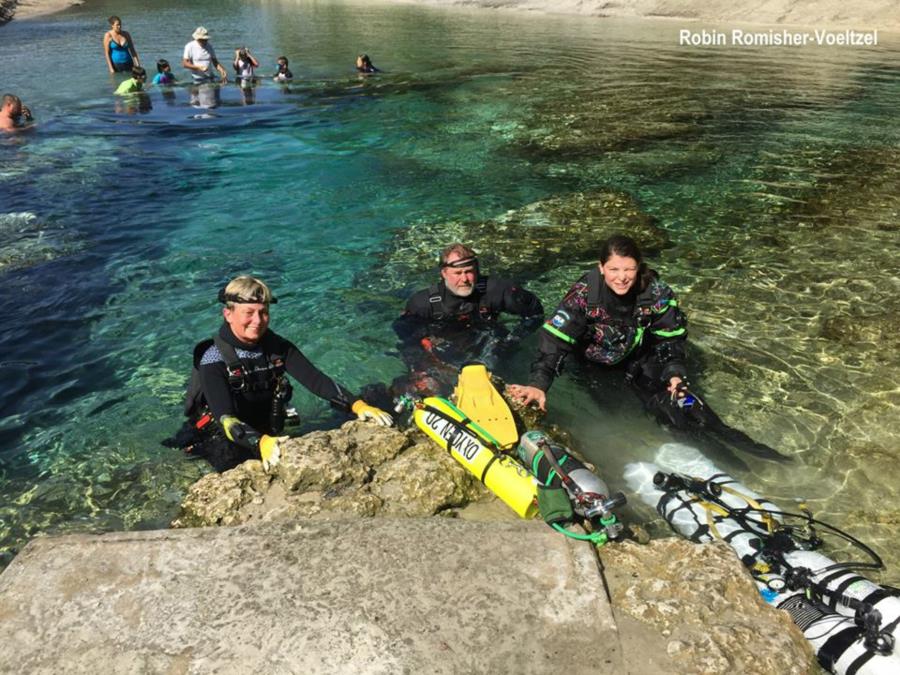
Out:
{"x": 764, "y": 178}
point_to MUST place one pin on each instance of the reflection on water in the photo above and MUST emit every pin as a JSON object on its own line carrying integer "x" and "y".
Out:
{"x": 763, "y": 182}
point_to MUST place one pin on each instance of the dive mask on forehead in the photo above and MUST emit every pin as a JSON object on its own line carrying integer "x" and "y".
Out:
{"x": 234, "y": 297}
{"x": 471, "y": 261}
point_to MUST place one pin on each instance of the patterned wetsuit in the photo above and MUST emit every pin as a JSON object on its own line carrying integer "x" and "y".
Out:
{"x": 645, "y": 330}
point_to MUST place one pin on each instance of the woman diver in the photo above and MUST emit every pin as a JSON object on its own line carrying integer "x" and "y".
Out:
{"x": 621, "y": 314}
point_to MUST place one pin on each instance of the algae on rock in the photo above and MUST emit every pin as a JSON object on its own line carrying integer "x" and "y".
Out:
{"x": 357, "y": 470}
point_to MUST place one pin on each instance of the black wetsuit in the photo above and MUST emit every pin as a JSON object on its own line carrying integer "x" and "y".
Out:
{"x": 489, "y": 299}
{"x": 460, "y": 329}
{"x": 250, "y": 396}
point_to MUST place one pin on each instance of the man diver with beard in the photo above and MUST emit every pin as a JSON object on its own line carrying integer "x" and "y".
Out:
{"x": 236, "y": 402}
{"x": 457, "y": 319}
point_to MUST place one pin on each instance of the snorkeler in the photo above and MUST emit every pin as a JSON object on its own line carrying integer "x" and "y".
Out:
{"x": 283, "y": 74}
{"x": 621, "y": 314}
{"x": 12, "y": 113}
{"x": 364, "y": 64}
{"x": 237, "y": 401}
{"x": 163, "y": 73}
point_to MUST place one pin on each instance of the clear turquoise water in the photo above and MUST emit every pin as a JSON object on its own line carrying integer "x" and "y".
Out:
{"x": 772, "y": 173}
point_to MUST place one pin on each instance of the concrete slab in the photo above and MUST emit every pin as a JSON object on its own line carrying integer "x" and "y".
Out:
{"x": 362, "y": 596}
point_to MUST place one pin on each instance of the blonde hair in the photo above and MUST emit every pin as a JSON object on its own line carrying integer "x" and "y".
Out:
{"x": 246, "y": 289}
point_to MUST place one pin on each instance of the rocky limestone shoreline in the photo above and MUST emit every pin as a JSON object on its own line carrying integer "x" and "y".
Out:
{"x": 695, "y": 604}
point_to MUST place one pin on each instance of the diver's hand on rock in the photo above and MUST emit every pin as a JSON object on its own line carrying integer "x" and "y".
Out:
{"x": 364, "y": 411}
{"x": 270, "y": 451}
{"x": 527, "y": 395}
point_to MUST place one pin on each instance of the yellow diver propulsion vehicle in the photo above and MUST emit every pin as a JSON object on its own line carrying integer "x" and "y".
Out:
{"x": 480, "y": 453}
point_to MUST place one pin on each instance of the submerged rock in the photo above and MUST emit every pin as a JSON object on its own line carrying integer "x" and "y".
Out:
{"x": 706, "y": 608}
{"x": 25, "y": 241}
{"x": 359, "y": 470}
{"x": 523, "y": 243}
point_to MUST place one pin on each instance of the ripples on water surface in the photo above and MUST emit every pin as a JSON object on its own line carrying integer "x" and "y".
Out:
{"x": 765, "y": 180}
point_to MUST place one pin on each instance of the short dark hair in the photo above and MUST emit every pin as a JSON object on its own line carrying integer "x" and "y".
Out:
{"x": 282, "y": 58}
{"x": 161, "y": 65}
{"x": 137, "y": 71}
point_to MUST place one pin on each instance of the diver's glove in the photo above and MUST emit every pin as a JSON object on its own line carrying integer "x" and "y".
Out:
{"x": 247, "y": 437}
{"x": 270, "y": 451}
{"x": 364, "y": 411}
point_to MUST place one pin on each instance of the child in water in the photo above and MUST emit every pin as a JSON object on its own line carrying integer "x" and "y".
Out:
{"x": 133, "y": 84}
{"x": 364, "y": 64}
{"x": 283, "y": 74}
{"x": 163, "y": 73}
{"x": 245, "y": 64}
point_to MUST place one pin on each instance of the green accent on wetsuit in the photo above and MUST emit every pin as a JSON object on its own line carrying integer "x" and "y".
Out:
{"x": 558, "y": 333}
{"x": 669, "y": 333}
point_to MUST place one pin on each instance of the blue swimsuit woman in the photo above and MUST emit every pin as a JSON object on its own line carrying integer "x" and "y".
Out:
{"x": 118, "y": 48}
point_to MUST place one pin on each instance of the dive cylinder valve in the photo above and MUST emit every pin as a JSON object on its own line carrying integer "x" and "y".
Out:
{"x": 553, "y": 465}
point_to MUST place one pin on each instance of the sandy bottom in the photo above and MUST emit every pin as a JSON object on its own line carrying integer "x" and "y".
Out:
{"x": 863, "y": 14}
{"x": 27, "y": 9}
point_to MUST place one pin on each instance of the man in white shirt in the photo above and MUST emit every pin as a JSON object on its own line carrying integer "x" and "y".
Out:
{"x": 200, "y": 58}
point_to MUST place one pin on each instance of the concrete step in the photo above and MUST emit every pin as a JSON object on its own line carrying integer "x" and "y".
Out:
{"x": 358, "y": 596}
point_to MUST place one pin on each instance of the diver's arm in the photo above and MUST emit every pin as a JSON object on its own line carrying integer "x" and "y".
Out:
{"x": 559, "y": 335}
{"x": 525, "y": 304}
{"x": 301, "y": 369}
{"x": 668, "y": 328}
{"x": 549, "y": 362}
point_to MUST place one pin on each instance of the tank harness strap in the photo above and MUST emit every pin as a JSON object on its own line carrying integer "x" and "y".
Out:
{"x": 860, "y": 661}
{"x": 233, "y": 365}
{"x": 837, "y": 594}
{"x": 436, "y": 301}
{"x": 836, "y": 645}
{"x": 828, "y": 578}
{"x": 487, "y": 466}
{"x": 593, "y": 290}
{"x": 237, "y": 373}
{"x": 767, "y": 519}
{"x": 875, "y": 597}
{"x": 702, "y": 528}
{"x": 712, "y": 511}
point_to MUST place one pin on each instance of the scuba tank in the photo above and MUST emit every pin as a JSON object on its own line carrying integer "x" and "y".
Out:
{"x": 554, "y": 467}
{"x": 851, "y": 623}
